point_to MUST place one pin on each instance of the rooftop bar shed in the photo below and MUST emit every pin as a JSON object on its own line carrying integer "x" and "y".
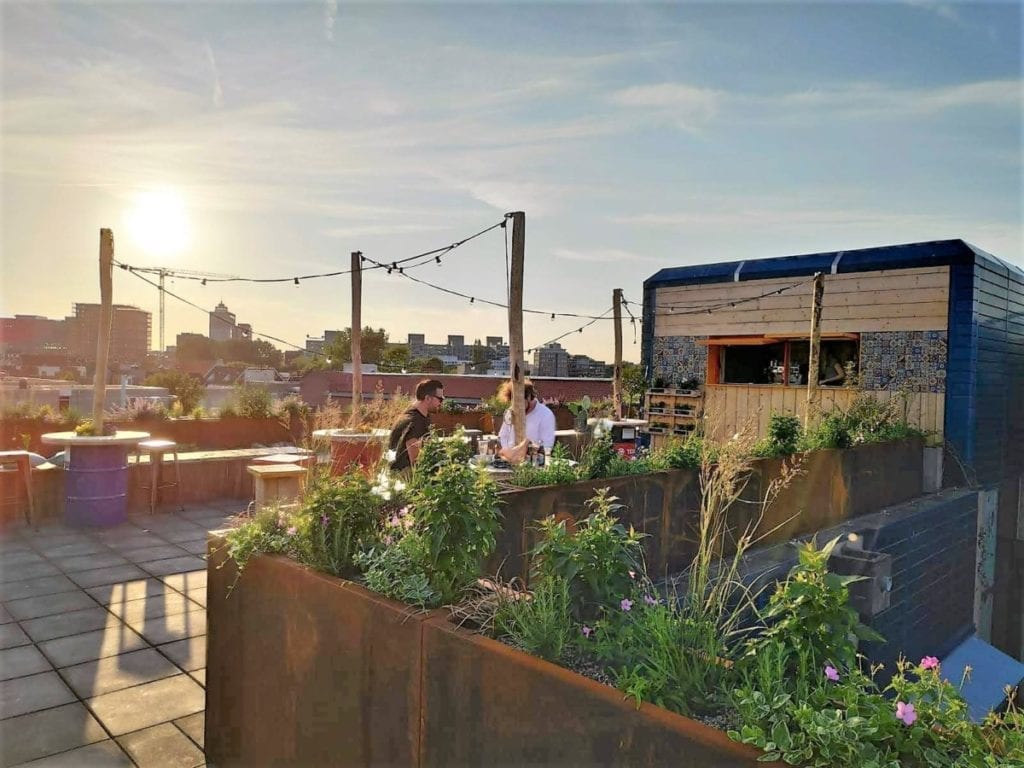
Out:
{"x": 937, "y": 325}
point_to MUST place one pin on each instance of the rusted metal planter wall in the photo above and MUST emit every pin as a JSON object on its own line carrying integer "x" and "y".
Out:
{"x": 834, "y": 485}
{"x": 488, "y": 704}
{"x": 305, "y": 669}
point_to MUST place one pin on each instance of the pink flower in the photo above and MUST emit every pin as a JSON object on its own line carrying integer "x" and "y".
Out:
{"x": 906, "y": 713}
{"x": 626, "y": 604}
{"x": 586, "y": 631}
{"x": 324, "y": 519}
{"x": 292, "y": 531}
{"x": 831, "y": 673}
{"x": 388, "y": 540}
{"x": 929, "y": 662}
{"x": 650, "y": 600}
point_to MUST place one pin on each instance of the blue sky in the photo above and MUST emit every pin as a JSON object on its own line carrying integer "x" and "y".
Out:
{"x": 635, "y": 136}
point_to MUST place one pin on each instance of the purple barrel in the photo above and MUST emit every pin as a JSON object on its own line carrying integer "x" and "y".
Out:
{"x": 96, "y": 486}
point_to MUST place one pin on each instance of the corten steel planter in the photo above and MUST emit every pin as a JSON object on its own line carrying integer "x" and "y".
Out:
{"x": 447, "y": 423}
{"x": 485, "y": 703}
{"x": 306, "y": 669}
{"x": 832, "y": 486}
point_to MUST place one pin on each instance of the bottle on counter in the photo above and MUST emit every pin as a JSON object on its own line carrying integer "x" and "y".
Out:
{"x": 541, "y": 458}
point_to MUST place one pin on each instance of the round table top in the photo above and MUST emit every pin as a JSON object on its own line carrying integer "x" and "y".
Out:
{"x": 350, "y": 435}
{"x": 121, "y": 437}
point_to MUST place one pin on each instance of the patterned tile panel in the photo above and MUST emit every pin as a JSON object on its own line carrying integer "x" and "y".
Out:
{"x": 912, "y": 361}
{"x": 677, "y": 358}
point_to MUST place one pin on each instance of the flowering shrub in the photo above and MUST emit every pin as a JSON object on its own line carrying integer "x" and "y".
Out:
{"x": 595, "y": 561}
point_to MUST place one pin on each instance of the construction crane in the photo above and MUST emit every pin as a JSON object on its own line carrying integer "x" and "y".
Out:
{"x": 163, "y": 273}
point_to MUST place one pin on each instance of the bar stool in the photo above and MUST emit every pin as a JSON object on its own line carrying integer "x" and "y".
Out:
{"x": 156, "y": 449}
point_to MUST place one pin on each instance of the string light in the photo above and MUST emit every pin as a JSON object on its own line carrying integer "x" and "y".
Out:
{"x": 296, "y": 281}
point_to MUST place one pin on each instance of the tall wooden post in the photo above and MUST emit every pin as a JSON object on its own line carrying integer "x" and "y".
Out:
{"x": 617, "y": 370}
{"x": 515, "y": 324}
{"x": 812, "y": 362}
{"x": 99, "y": 382}
{"x": 357, "y": 335}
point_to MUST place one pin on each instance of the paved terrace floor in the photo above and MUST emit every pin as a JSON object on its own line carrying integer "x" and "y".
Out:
{"x": 103, "y": 641}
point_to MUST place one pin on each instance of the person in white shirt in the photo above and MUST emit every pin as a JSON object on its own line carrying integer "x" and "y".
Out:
{"x": 540, "y": 428}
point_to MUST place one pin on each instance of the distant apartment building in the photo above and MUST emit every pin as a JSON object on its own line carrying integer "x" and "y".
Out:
{"x": 316, "y": 344}
{"x": 130, "y": 331}
{"x": 456, "y": 350}
{"x": 551, "y": 360}
{"x": 222, "y": 323}
{"x": 33, "y": 334}
{"x": 584, "y": 367}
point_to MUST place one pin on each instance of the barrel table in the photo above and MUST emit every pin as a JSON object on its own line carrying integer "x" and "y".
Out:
{"x": 96, "y": 483}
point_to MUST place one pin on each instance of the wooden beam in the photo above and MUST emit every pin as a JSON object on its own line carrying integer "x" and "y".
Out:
{"x": 99, "y": 386}
{"x": 515, "y": 323}
{"x": 357, "y": 335}
{"x": 617, "y": 366}
{"x": 812, "y": 363}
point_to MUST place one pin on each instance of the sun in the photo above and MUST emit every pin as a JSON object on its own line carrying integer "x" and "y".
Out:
{"x": 158, "y": 222}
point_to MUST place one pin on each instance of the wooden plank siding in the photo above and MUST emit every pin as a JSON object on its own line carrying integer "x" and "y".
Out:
{"x": 729, "y": 408}
{"x": 885, "y": 300}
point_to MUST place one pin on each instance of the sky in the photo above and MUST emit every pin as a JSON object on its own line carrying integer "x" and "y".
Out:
{"x": 273, "y": 139}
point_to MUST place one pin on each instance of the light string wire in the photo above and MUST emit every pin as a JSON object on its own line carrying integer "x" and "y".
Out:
{"x": 427, "y": 256}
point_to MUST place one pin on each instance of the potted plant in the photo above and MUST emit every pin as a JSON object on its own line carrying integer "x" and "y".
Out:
{"x": 581, "y": 412}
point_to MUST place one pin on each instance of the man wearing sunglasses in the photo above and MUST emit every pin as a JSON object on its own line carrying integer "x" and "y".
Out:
{"x": 540, "y": 426}
{"x": 408, "y": 432}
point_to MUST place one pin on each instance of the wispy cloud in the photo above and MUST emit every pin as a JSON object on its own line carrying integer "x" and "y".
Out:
{"x": 330, "y": 17}
{"x": 218, "y": 93}
{"x": 875, "y": 99}
{"x": 688, "y": 106}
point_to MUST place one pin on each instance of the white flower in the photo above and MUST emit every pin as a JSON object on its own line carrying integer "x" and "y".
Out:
{"x": 399, "y": 485}
{"x": 377, "y": 491}
{"x": 386, "y": 495}
{"x": 382, "y": 479}
{"x": 390, "y": 455}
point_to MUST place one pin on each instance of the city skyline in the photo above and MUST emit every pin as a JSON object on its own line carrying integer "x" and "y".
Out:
{"x": 641, "y": 137}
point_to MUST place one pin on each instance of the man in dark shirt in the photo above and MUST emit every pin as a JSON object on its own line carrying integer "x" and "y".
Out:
{"x": 407, "y": 434}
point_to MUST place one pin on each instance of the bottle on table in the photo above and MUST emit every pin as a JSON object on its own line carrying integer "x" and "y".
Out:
{"x": 541, "y": 458}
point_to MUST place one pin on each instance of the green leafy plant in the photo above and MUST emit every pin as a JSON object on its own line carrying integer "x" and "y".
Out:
{"x": 539, "y": 622}
{"x": 595, "y": 561}
{"x": 784, "y": 433}
{"x": 450, "y": 405}
{"x": 598, "y": 459}
{"x": 395, "y": 569}
{"x": 188, "y": 390}
{"x": 252, "y": 402}
{"x": 810, "y": 612}
{"x": 456, "y": 512}
{"x": 680, "y": 453}
{"x": 556, "y": 471}
{"x": 437, "y": 451}
{"x": 267, "y": 532}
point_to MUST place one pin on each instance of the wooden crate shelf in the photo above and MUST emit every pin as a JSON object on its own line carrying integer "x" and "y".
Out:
{"x": 672, "y": 411}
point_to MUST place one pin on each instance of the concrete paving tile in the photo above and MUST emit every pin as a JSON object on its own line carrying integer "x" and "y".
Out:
{"x": 166, "y": 629}
{"x": 28, "y": 571}
{"x": 48, "y": 732}
{"x": 44, "y": 585}
{"x": 71, "y": 623}
{"x": 13, "y": 546}
{"x": 174, "y": 565}
{"x": 48, "y": 605}
{"x": 22, "y": 695}
{"x": 22, "y": 661}
{"x": 165, "y": 604}
{"x": 192, "y": 533}
{"x": 11, "y": 636}
{"x": 128, "y": 591}
{"x": 184, "y": 582}
{"x": 195, "y": 727}
{"x": 75, "y": 548}
{"x": 199, "y": 675}
{"x": 88, "y": 646}
{"x": 137, "y": 540}
{"x": 161, "y": 746}
{"x": 198, "y": 513}
{"x": 24, "y": 557}
{"x": 89, "y": 562}
{"x": 5, "y": 617}
{"x": 197, "y": 547}
{"x": 147, "y": 554}
{"x": 144, "y": 705}
{"x": 113, "y": 673}
{"x": 189, "y": 654}
{"x": 102, "y": 576}
{"x": 102, "y": 754}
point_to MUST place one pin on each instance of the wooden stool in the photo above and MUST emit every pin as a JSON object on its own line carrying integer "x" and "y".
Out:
{"x": 20, "y": 460}
{"x": 156, "y": 449}
{"x": 277, "y": 483}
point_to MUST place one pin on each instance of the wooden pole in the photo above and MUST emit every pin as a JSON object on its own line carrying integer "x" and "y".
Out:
{"x": 99, "y": 381}
{"x": 515, "y": 324}
{"x": 357, "y": 335}
{"x": 617, "y": 370}
{"x": 812, "y": 362}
